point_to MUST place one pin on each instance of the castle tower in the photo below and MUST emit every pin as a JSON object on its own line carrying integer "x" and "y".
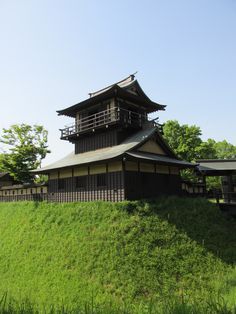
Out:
{"x": 118, "y": 152}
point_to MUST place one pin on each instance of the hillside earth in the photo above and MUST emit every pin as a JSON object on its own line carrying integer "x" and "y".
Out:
{"x": 123, "y": 252}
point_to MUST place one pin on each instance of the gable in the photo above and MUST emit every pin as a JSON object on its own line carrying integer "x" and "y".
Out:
{"x": 133, "y": 89}
{"x": 153, "y": 147}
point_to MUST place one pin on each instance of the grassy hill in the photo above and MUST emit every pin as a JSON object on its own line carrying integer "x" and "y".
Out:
{"x": 129, "y": 252}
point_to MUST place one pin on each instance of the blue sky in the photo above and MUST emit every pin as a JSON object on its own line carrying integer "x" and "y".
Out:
{"x": 53, "y": 53}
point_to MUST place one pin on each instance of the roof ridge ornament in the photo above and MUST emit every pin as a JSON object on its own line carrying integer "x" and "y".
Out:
{"x": 125, "y": 81}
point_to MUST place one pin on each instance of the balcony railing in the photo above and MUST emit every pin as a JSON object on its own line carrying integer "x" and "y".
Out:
{"x": 104, "y": 118}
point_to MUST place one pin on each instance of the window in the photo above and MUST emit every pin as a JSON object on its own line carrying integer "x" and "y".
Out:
{"x": 61, "y": 184}
{"x": 101, "y": 180}
{"x": 80, "y": 182}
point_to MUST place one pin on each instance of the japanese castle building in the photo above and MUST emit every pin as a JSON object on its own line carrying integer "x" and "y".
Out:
{"x": 118, "y": 152}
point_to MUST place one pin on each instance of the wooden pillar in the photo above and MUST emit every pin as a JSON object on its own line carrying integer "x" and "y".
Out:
{"x": 124, "y": 177}
{"x": 230, "y": 187}
{"x": 204, "y": 182}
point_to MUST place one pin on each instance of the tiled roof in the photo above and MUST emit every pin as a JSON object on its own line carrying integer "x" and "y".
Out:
{"x": 126, "y": 148}
{"x": 161, "y": 159}
{"x": 215, "y": 165}
{"x": 100, "y": 154}
{"x": 124, "y": 83}
{"x": 122, "y": 89}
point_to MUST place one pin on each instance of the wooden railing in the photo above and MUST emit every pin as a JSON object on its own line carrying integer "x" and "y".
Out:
{"x": 103, "y": 118}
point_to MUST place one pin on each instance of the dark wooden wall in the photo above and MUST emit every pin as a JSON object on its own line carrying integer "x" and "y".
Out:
{"x": 100, "y": 140}
{"x": 96, "y": 141}
{"x": 120, "y": 185}
{"x": 143, "y": 185}
{"x": 113, "y": 191}
{"x": 37, "y": 197}
{"x": 128, "y": 185}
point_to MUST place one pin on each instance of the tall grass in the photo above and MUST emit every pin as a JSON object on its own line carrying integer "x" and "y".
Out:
{"x": 10, "y": 306}
{"x": 130, "y": 256}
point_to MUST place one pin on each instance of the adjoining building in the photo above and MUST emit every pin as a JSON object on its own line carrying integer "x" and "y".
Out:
{"x": 118, "y": 152}
{"x": 224, "y": 168}
{"x": 12, "y": 190}
{"x": 23, "y": 192}
{"x": 6, "y": 179}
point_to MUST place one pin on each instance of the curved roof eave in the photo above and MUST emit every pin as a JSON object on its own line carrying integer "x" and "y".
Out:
{"x": 101, "y": 154}
{"x": 109, "y": 92}
{"x": 143, "y": 94}
{"x": 113, "y": 91}
{"x": 161, "y": 159}
{"x": 142, "y": 99}
{"x": 109, "y": 153}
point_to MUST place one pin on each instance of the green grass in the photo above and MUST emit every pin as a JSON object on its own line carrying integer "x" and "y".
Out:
{"x": 9, "y": 306}
{"x": 129, "y": 254}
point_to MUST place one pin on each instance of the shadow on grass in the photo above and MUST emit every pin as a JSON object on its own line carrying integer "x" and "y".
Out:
{"x": 203, "y": 222}
{"x": 200, "y": 219}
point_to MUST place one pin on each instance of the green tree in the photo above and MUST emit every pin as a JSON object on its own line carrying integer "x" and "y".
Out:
{"x": 1, "y": 162}
{"x": 26, "y": 147}
{"x": 206, "y": 150}
{"x": 225, "y": 150}
{"x": 186, "y": 141}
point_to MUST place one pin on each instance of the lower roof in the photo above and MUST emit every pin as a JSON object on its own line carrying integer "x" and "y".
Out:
{"x": 217, "y": 166}
{"x": 161, "y": 159}
{"x": 101, "y": 154}
{"x": 126, "y": 148}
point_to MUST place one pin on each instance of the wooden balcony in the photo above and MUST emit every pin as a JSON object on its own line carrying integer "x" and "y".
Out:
{"x": 104, "y": 119}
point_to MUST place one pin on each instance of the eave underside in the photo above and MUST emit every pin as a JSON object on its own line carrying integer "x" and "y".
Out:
{"x": 160, "y": 159}
{"x": 114, "y": 91}
{"x": 128, "y": 148}
{"x": 127, "y": 156}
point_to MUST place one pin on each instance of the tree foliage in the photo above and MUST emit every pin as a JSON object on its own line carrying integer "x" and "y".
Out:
{"x": 186, "y": 142}
{"x": 183, "y": 139}
{"x": 225, "y": 150}
{"x": 1, "y": 162}
{"x": 26, "y": 146}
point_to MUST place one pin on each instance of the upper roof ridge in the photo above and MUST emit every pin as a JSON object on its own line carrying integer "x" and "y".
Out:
{"x": 128, "y": 89}
{"x": 126, "y": 81}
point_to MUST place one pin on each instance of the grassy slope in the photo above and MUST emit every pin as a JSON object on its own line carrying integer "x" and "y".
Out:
{"x": 66, "y": 253}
